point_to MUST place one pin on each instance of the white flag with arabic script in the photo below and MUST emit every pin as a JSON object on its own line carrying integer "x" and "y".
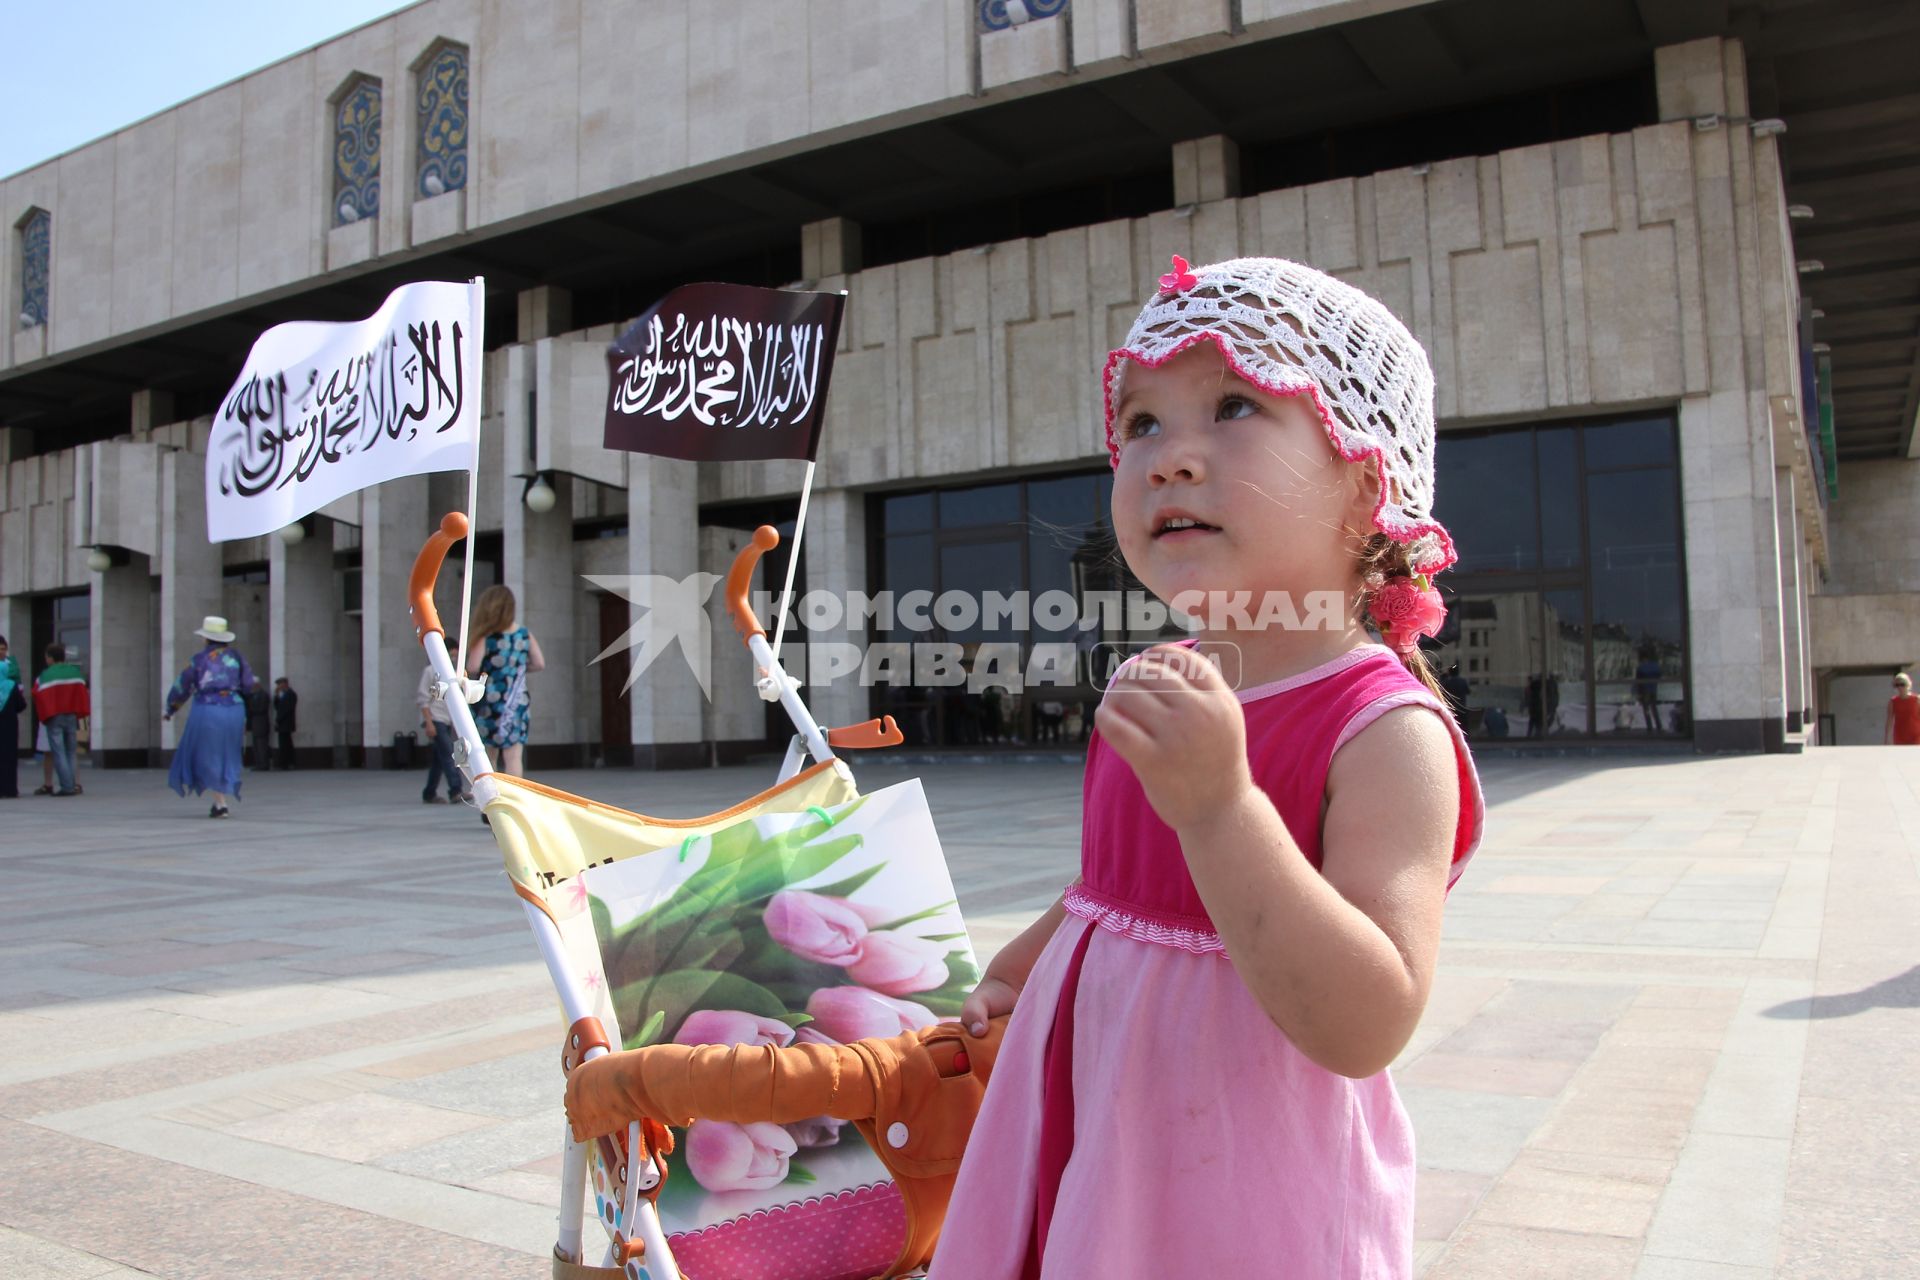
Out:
{"x": 324, "y": 410}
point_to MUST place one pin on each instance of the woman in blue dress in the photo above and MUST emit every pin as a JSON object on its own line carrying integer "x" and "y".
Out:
{"x": 207, "y": 757}
{"x": 504, "y": 655}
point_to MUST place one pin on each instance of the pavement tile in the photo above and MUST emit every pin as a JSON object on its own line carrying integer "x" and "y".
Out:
{"x": 519, "y": 1084}
{"x": 360, "y": 1127}
{"x": 1525, "y": 1077}
{"x": 463, "y": 1158}
{"x": 450, "y": 1056}
{"x": 1588, "y": 1194}
{"x": 1442, "y": 1200}
{"x": 1725, "y": 1201}
{"x": 23, "y": 1255}
{"x": 1657, "y": 1268}
{"x": 235, "y": 1227}
{"x": 1486, "y": 1251}
{"x": 1619, "y": 1122}
{"x": 1470, "y": 1132}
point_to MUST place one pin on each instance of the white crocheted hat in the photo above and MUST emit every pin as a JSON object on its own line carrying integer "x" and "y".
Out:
{"x": 1290, "y": 330}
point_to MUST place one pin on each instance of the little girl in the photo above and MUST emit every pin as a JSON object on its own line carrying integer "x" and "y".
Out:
{"x": 1194, "y": 1082}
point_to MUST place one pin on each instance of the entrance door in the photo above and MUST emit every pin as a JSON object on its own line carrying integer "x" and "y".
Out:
{"x": 616, "y": 722}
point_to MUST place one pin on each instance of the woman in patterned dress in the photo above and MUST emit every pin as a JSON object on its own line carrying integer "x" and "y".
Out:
{"x": 217, "y": 681}
{"x": 504, "y": 655}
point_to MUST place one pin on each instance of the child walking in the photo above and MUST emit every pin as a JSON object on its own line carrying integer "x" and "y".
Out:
{"x": 1194, "y": 1079}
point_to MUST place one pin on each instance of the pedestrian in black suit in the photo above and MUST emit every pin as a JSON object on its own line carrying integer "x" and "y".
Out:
{"x": 285, "y": 704}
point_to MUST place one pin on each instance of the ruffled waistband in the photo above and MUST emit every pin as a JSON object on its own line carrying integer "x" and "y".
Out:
{"x": 1130, "y": 920}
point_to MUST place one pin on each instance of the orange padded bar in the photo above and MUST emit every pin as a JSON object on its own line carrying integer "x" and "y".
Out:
{"x": 864, "y": 737}
{"x": 740, "y": 580}
{"x": 426, "y": 572}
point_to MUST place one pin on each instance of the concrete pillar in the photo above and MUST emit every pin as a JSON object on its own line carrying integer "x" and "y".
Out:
{"x": 150, "y": 409}
{"x": 667, "y": 705}
{"x": 1793, "y": 639}
{"x": 1690, "y": 80}
{"x": 394, "y": 524}
{"x": 835, "y": 550}
{"x": 1809, "y": 677}
{"x": 544, "y": 312}
{"x": 735, "y": 719}
{"x": 1733, "y": 547}
{"x": 126, "y": 706}
{"x": 539, "y": 571}
{"x": 190, "y": 573}
{"x": 1205, "y": 169}
{"x": 303, "y": 602}
{"x": 829, "y": 247}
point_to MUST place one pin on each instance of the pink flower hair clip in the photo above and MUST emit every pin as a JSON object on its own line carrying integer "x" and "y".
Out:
{"x": 1178, "y": 280}
{"x": 1408, "y": 609}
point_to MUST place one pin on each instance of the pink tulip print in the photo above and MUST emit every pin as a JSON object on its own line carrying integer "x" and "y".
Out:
{"x": 898, "y": 964}
{"x": 731, "y": 1026}
{"x": 738, "y": 1157}
{"x": 855, "y": 1013}
{"x": 813, "y": 927}
{"x": 810, "y": 1135}
{"x": 790, "y": 930}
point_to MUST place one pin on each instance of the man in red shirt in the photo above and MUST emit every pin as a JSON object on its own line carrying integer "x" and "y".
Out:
{"x": 60, "y": 701}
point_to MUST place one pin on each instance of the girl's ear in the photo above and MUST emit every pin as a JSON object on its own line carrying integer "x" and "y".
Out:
{"x": 1364, "y": 495}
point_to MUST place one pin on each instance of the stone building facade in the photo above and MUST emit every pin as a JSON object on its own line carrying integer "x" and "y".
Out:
{"x": 1613, "y": 320}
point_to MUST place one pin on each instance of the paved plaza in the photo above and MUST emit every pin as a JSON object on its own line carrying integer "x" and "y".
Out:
{"x": 1674, "y": 1034}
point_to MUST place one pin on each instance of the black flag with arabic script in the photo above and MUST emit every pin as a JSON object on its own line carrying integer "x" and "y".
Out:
{"x": 724, "y": 373}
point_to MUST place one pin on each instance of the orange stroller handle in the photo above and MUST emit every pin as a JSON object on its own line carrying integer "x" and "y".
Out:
{"x": 740, "y": 578}
{"x": 426, "y": 571}
{"x": 866, "y": 735}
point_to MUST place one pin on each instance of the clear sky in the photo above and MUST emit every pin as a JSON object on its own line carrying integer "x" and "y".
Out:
{"x": 75, "y": 70}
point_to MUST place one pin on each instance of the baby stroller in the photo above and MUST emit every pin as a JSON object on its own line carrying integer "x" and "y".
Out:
{"x": 726, "y": 928}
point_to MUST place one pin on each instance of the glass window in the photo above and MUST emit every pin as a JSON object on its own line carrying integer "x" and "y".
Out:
{"x": 1637, "y": 597}
{"x": 907, "y": 512}
{"x": 1558, "y": 457}
{"x": 908, "y": 567}
{"x": 1639, "y": 605}
{"x": 1068, "y": 502}
{"x": 36, "y": 240}
{"x": 1589, "y": 638}
{"x": 1564, "y": 682}
{"x": 986, "y": 504}
{"x": 973, "y": 569}
{"x": 1485, "y": 497}
{"x": 442, "y": 121}
{"x": 1643, "y": 443}
{"x": 356, "y": 152}
{"x": 1036, "y": 536}
{"x": 1491, "y": 689}
{"x": 72, "y": 619}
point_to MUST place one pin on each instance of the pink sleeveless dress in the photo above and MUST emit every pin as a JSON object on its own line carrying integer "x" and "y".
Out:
{"x": 1145, "y": 1117}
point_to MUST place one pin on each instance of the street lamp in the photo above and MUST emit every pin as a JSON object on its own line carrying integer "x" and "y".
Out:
{"x": 540, "y": 496}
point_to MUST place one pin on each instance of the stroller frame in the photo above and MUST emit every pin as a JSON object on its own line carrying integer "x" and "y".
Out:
{"x": 451, "y": 686}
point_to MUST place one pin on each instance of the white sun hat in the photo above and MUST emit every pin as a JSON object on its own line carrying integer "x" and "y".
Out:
{"x": 215, "y": 629}
{"x": 1293, "y": 331}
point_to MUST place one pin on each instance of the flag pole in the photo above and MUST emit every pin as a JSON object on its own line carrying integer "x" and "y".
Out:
{"x": 799, "y": 522}
{"x": 477, "y": 317}
{"x": 793, "y": 561}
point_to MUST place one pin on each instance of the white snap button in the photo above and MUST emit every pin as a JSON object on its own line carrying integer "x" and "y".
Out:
{"x": 896, "y": 1135}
